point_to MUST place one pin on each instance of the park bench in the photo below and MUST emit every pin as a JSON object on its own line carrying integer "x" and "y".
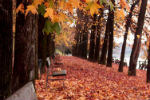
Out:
{"x": 143, "y": 65}
{"x": 27, "y": 92}
{"x": 117, "y": 61}
{"x": 53, "y": 74}
{"x": 57, "y": 60}
{"x": 113, "y": 60}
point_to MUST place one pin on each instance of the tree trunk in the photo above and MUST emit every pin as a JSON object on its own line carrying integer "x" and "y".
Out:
{"x": 148, "y": 66}
{"x": 42, "y": 43}
{"x": 78, "y": 30}
{"x": 84, "y": 44}
{"x": 50, "y": 45}
{"x": 80, "y": 43}
{"x": 128, "y": 23}
{"x": 77, "y": 50}
{"x": 24, "y": 63}
{"x": 75, "y": 47}
{"x": 92, "y": 39}
{"x": 41, "y": 22}
{"x": 105, "y": 44}
{"x": 81, "y": 33}
{"x": 85, "y": 38}
{"x": 5, "y": 47}
{"x": 44, "y": 52}
{"x": 110, "y": 48}
{"x": 36, "y": 47}
{"x": 137, "y": 41}
{"x": 98, "y": 36}
{"x": 81, "y": 36}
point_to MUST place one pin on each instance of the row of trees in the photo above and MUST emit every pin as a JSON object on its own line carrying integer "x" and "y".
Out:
{"x": 20, "y": 50}
{"x": 36, "y": 23}
{"x": 96, "y": 29}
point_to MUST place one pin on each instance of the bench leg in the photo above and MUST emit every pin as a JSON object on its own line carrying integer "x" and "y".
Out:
{"x": 47, "y": 77}
{"x": 63, "y": 84}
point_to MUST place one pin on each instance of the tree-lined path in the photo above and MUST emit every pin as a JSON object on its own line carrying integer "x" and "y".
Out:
{"x": 33, "y": 33}
{"x": 91, "y": 81}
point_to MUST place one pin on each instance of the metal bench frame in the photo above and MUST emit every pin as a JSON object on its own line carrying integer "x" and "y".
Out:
{"x": 51, "y": 73}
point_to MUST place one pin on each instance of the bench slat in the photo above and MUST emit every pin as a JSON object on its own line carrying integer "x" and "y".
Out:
{"x": 59, "y": 73}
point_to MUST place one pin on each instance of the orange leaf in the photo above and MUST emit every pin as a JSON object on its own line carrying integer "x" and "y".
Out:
{"x": 31, "y": 8}
{"x": 124, "y": 5}
{"x": 75, "y": 3}
{"x": 46, "y": 4}
{"x": 49, "y": 13}
{"x": 94, "y": 8}
{"x": 119, "y": 15}
{"x": 69, "y": 7}
{"x": 37, "y": 2}
{"x": 138, "y": 36}
{"x": 62, "y": 17}
{"x": 61, "y": 4}
{"x": 20, "y": 8}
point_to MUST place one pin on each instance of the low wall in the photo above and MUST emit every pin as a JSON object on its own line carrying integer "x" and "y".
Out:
{"x": 27, "y": 92}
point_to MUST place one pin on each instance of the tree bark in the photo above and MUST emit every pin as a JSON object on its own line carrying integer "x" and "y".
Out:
{"x": 148, "y": 66}
{"x": 44, "y": 52}
{"x": 137, "y": 41}
{"x": 36, "y": 47}
{"x": 128, "y": 23}
{"x": 42, "y": 43}
{"x": 75, "y": 47}
{"x": 50, "y": 45}
{"x": 5, "y": 47}
{"x": 24, "y": 63}
{"x": 41, "y": 22}
{"x": 79, "y": 36}
{"x": 111, "y": 37}
{"x": 81, "y": 33}
{"x": 92, "y": 39}
{"x": 98, "y": 36}
{"x": 78, "y": 30}
{"x": 84, "y": 41}
{"x": 105, "y": 44}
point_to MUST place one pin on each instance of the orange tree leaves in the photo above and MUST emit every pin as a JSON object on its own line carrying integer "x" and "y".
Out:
{"x": 20, "y": 8}
{"x": 54, "y": 9}
{"x": 66, "y": 36}
{"x": 91, "y": 81}
{"x": 49, "y": 13}
{"x": 93, "y": 7}
{"x": 31, "y": 8}
{"x": 124, "y": 5}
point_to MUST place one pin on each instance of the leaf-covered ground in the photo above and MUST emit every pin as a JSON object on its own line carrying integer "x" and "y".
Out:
{"x": 91, "y": 81}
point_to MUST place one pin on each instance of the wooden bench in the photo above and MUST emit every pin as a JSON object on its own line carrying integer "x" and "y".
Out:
{"x": 54, "y": 74}
{"x": 27, "y": 92}
{"x": 143, "y": 65}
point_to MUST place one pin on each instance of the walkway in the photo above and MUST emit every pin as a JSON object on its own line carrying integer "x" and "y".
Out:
{"x": 91, "y": 81}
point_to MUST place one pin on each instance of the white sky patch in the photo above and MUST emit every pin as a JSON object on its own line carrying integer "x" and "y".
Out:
{"x": 118, "y": 40}
{"x": 148, "y": 27}
{"x": 130, "y": 39}
{"x": 73, "y": 24}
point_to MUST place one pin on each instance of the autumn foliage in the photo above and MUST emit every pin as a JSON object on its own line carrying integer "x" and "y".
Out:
{"x": 54, "y": 24}
{"x": 57, "y": 11}
{"x": 91, "y": 81}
